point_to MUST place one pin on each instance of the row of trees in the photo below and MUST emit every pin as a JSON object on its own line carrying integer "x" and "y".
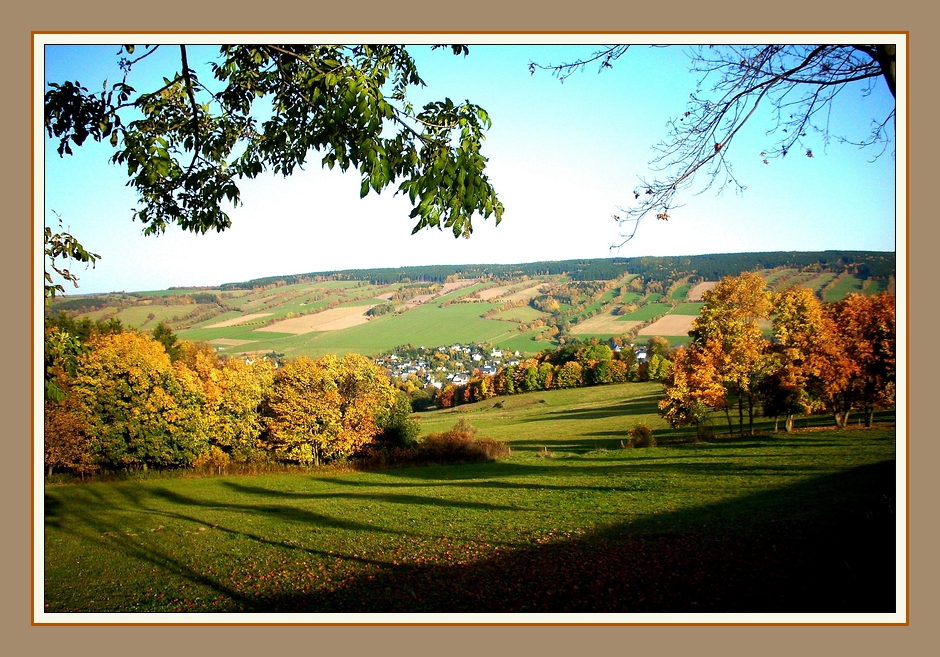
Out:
{"x": 835, "y": 357}
{"x": 570, "y": 366}
{"x": 119, "y": 399}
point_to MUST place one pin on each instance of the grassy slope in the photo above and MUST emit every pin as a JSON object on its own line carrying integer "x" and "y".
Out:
{"x": 800, "y": 522}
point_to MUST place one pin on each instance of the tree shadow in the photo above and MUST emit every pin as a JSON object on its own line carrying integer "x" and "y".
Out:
{"x": 634, "y": 406}
{"x": 827, "y": 546}
{"x": 830, "y": 548}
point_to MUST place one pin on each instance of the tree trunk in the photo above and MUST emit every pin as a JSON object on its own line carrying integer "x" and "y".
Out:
{"x": 789, "y": 424}
{"x": 728, "y": 417}
{"x": 750, "y": 414}
{"x": 740, "y": 417}
{"x": 886, "y": 56}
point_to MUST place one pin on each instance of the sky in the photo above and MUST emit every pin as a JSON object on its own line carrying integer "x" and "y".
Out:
{"x": 562, "y": 157}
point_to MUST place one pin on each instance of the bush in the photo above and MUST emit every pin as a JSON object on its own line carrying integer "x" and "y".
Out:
{"x": 642, "y": 436}
{"x": 460, "y": 445}
{"x": 212, "y": 459}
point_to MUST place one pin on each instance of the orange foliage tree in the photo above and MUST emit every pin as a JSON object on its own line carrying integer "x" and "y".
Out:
{"x": 866, "y": 326}
{"x": 728, "y": 328}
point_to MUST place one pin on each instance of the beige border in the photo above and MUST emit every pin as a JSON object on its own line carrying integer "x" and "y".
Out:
{"x": 681, "y": 14}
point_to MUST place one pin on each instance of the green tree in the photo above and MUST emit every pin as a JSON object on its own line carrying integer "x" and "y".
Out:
{"x": 398, "y": 427}
{"x": 57, "y": 246}
{"x": 165, "y": 336}
{"x": 187, "y": 142}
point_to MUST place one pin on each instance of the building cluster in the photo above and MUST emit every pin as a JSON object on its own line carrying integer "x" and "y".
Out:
{"x": 438, "y": 366}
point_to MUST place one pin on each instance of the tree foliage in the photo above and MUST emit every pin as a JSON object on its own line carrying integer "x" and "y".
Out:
{"x": 326, "y": 409}
{"x": 188, "y": 141}
{"x": 140, "y": 410}
{"x": 796, "y": 82}
{"x": 56, "y": 247}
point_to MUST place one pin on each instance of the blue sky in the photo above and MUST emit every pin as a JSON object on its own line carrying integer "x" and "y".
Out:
{"x": 562, "y": 156}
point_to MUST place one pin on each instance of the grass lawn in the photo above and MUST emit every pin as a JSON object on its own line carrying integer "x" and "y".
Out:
{"x": 568, "y": 522}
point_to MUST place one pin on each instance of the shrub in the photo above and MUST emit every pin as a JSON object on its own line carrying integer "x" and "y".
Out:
{"x": 460, "y": 445}
{"x": 212, "y": 459}
{"x": 642, "y": 436}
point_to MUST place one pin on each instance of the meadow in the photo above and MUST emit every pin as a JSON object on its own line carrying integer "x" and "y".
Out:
{"x": 569, "y": 522}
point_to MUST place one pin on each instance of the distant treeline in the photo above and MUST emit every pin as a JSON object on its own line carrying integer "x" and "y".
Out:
{"x": 878, "y": 265}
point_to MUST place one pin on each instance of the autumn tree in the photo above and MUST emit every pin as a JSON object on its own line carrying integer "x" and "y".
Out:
{"x": 692, "y": 389}
{"x": 232, "y": 391}
{"x": 325, "y": 409}
{"x": 728, "y": 329}
{"x": 797, "y": 82}
{"x": 570, "y": 375}
{"x": 139, "y": 410}
{"x": 66, "y": 440}
{"x": 802, "y": 334}
{"x": 866, "y": 326}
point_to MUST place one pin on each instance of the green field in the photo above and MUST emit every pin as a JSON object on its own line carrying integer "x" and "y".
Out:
{"x": 646, "y": 312}
{"x": 843, "y": 287}
{"x": 426, "y": 325}
{"x": 567, "y": 522}
{"x": 688, "y": 309}
{"x": 524, "y": 343}
{"x": 681, "y": 292}
{"x": 523, "y": 315}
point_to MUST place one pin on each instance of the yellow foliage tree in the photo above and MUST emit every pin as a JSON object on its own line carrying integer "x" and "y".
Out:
{"x": 232, "y": 393}
{"x": 138, "y": 408}
{"x": 325, "y": 409}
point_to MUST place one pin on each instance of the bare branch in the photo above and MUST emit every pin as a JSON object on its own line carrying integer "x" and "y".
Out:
{"x": 798, "y": 81}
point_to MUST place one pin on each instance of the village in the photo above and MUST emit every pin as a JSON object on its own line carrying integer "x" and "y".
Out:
{"x": 457, "y": 363}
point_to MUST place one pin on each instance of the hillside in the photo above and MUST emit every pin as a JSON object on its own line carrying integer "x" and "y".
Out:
{"x": 521, "y": 308}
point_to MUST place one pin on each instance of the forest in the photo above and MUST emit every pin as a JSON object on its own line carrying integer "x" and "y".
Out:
{"x": 872, "y": 264}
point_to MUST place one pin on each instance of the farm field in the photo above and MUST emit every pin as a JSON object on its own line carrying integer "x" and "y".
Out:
{"x": 295, "y": 315}
{"x": 798, "y": 522}
{"x": 844, "y": 286}
{"x": 695, "y": 294}
{"x": 670, "y": 325}
{"x": 605, "y": 324}
{"x": 646, "y": 313}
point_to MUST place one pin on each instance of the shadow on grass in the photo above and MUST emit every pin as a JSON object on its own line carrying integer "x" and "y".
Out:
{"x": 635, "y": 406}
{"x": 824, "y": 544}
{"x": 827, "y": 546}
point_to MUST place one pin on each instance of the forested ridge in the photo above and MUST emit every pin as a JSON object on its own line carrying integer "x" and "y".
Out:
{"x": 873, "y": 264}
